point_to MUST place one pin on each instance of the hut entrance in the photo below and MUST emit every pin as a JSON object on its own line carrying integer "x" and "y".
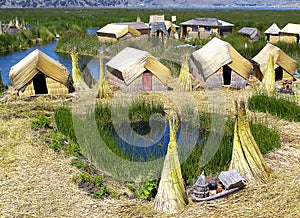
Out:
{"x": 39, "y": 84}
{"x": 278, "y": 73}
{"x": 147, "y": 81}
{"x": 226, "y": 75}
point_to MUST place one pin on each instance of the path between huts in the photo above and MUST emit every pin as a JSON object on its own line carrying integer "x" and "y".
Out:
{"x": 37, "y": 182}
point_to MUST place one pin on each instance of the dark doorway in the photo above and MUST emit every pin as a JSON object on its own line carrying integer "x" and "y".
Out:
{"x": 226, "y": 75}
{"x": 39, "y": 84}
{"x": 278, "y": 73}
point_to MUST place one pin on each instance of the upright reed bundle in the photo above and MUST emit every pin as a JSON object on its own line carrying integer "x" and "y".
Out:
{"x": 77, "y": 79}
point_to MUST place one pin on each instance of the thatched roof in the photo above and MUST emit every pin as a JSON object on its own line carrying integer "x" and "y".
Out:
{"x": 292, "y": 28}
{"x": 251, "y": 32}
{"x": 280, "y": 59}
{"x": 170, "y": 25}
{"x": 206, "y": 22}
{"x": 35, "y": 62}
{"x": 133, "y": 62}
{"x": 273, "y": 29}
{"x": 117, "y": 30}
{"x": 214, "y": 55}
{"x": 135, "y": 25}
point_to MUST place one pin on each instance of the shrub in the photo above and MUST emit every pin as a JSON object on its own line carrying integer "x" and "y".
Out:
{"x": 146, "y": 190}
{"x": 101, "y": 192}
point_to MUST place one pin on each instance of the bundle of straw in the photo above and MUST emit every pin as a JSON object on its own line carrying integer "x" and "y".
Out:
{"x": 103, "y": 87}
{"x": 268, "y": 82}
{"x": 171, "y": 195}
{"x": 246, "y": 156}
{"x": 77, "y": 79}
{"x": 185, "y": 80}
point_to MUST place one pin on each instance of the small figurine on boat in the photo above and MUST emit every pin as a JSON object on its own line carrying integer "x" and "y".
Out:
{"x": 226, "y": 183}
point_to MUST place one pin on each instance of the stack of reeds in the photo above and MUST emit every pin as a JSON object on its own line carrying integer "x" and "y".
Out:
{"x": 77, "y": 79}
{"x": 268, "y": 82}
{"x": 171, "y": 195}
{"x": 103, "y": 87}
{"x": 246, "y": 156}
{"x": 185, "y": 78}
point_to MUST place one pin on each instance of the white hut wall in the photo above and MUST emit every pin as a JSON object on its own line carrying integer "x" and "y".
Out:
{"x": 157, "y": 85}
{"x": 217, "y": 80}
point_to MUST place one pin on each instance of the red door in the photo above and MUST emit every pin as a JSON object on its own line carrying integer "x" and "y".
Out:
{"x": 147, "y": 81}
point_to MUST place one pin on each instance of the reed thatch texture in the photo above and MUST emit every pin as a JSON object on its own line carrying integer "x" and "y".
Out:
{"x": 22, "y": 74}
{"x": 217, "y": 53}
{"x": 246, "y": 156}
{"x": 184, "y": 83}
{"x": 112, "y": 32}
{"x": 281, "y": 59}
{"x": 171, "y": 195}
{"x": 272, "y": 33}
{"x": 170, "y": 25}
{"x": 37, "y": 61}
{"x": 268, "y": 82}
{"x": 129, "y": 65}
{"x": 77, "y": 79}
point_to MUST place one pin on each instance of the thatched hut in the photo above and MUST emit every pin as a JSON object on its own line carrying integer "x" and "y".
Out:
{"x": 272, "y": 33}
{"x": 250, "y": 32}
{"x": 217, "y": 63}
{"x": 113, "y": 32}
{"x": 38, "y": 73}
{"x": 284, "y": 65}
{"x": 290, "y": 33}
{"x": 136, "y": 70}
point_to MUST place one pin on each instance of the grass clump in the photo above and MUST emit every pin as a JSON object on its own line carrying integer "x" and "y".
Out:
{"x": 41, "y": 121}
{"x": 64, "y": 123}
{"x": 285, "y": 107}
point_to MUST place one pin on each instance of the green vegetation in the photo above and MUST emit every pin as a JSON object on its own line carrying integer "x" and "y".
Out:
{"x": 64, "y": 124}
{"x": 41, "y": 121}
{"x": 267, "y": 139}
{"x": 285, "y": 107}
{"x": 2, "y": 86}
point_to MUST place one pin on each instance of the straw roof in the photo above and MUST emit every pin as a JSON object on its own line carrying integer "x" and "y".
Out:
{"x": 117, "y": 30}
{"x": 206, "y": 22}
{"x": 251, "y": 32}
{"x": 291, "y": 28}
{"x": 133, "y": 62}
{"x": 170, "y": 25}
{"x": 215, "y": 54}
{"x": 35, "y": 62}
{"x": 135, "y": 25}
{"x": 273, "y": 29}
{"x": 280, "y": 59}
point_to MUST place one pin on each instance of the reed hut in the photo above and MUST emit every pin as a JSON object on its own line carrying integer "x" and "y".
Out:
{"x": 142, "y": 27}
{"x": 38, "y": 73}
{"x": 133, "y": 70}
{"x": 290, "y": 33}
{"x": 284, "y": 65}
{"x": 113, "y": 32}
{"x": 250, "y": 32}
{"x": 272, "y": 33}
{"x": 217, "y": 64}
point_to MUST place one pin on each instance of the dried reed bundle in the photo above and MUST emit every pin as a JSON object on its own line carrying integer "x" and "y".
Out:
{"x": 185, "y": 78}
{"x": 171, "y": 195}
{"x": 103, "y": 88}
{"x": 268, "y": 82}
{"x": 246, "y": 156}
{"x": 78, "y": 81}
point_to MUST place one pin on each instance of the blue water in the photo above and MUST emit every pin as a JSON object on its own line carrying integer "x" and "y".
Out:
{"x": 9, "y": 59}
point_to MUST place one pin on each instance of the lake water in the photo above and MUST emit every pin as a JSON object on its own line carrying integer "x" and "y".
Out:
{"x": 10, "y": 59}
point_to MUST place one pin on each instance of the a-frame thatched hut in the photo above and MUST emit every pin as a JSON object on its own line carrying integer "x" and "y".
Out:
{"x": 284, "y": 65}
{"x": 38, "y": 73}
{"x": 272, "y": 33}
{"x": 217, "y": 63}
{"x": 136, "y": 70}
{"x": 114, "y": 32}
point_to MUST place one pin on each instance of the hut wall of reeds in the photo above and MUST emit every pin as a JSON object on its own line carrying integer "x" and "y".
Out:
{"x": 133, "y": 70}
{"x": 38, "y": 73}
{"x": 290, "y": 33}
{"x": 218, "y": 63}
{"x": 272, "y": 33}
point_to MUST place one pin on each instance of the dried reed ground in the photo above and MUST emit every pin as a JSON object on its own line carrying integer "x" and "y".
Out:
{"x": 37, "y": 182}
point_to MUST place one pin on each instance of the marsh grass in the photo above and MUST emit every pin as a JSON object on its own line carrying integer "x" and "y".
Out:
{"x": 283, "y": 106}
